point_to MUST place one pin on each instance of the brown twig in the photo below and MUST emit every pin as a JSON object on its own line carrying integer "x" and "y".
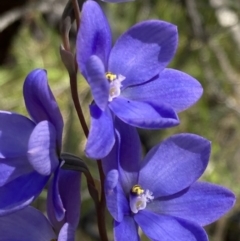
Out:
{"x": 100, "y": 204}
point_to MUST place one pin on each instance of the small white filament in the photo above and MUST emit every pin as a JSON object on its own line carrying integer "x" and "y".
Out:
{"x": 139, "y": 202}
{"x": 115, "y": 87}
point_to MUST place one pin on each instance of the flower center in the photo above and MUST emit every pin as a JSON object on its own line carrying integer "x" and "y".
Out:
{"x": 139, "y": 198}
{"x": 115, "y": 85}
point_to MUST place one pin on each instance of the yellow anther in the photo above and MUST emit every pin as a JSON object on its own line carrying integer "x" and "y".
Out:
{"x": 137, "y": 189}
{"x": 110, "y": 76}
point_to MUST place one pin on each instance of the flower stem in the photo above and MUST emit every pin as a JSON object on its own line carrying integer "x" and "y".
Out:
{"x": 74, "y": 93}
{"x": 76, "y": 12}
{"x": 100, "y": 205}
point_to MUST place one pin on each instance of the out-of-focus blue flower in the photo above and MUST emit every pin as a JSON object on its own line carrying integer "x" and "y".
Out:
{"x": 160, "y": 194}
{"x": 130, "y": 79}
{"x": 30, "y": 224}
{"x": 29, "y": 149}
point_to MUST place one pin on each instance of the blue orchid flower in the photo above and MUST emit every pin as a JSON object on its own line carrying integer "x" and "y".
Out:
{"x": 29, "y": 148}
{"x": 161, "y": 194}
{"x": 130, "y": 80}
{"x": 29, "y": 224}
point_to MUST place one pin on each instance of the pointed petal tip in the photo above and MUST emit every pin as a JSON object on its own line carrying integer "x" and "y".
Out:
{"x": 171, "y": 87}
{"x": 143, "y": 114}
{"x": 94, "y": 154}
{"x": 101, "y": 136}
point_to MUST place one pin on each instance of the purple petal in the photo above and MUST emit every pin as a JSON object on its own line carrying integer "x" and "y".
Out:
{"x": 174, "y": 164}
{"x": 64, "y": 199}
{"x": 55, "y": 207}
{"x": 101, "y": 136}
{"x": 130, "y": 154}
{"x": 69, "y": 188}
{"x": 96, "y": 78}
{"x": 42, "y": 150}
{"x": 167, "y": 228}
{"x": 172, "y": 87}
{"x": 126, "y": 230}
{"x": 94, "y": 36}
{"x": 143, "y": 51}
{"x": 67, "y": 233}
{"x": 110, "y": 161}
{"x": 40, "y": 101}
{"x": 27, "y": 224}
{"x": 202, "y": 203}
{"x": 21, "y": 192}
{"x": 144, "y": 115}
{"x": 117, "y": 203}
{"x": 15, "y": 131}
{"x": 12, "y": 168}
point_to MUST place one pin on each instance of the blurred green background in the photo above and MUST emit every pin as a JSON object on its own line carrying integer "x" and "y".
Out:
{"x": 209, "y": 50}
